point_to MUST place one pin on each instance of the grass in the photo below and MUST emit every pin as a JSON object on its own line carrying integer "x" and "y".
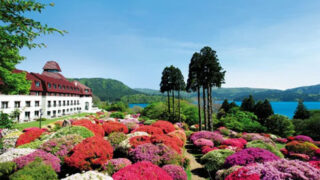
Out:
{"x": 280, "y": 146}
{"x": 22, "y": 126}
{"x": 189, "y": 174}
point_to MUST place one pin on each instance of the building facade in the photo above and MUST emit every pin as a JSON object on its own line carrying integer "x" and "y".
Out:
{"x": 51, "y": 95}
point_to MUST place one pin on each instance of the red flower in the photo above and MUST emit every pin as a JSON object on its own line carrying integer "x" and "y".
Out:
{"x": 241, "y": 174}
{"x": 95, "y": 128}
{"x": 91, "y": 152}
{"x": 164, "y": 125}
{"x": 149, "y": 129}
{"x": 315, "y": 164}
{"x": 29, "y": 136}
{"x": 236, "y": 142}
{"x": 138, "y": 140}
{"x": 170, "y": 141}
{"x": 111, "y": 126}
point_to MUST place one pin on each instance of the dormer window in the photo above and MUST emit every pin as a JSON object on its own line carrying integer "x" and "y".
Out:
{"x": 49, "y": 85}
{"x": 54, "y": 86}
{"x": 59, "y": 86}
{"x": 37, "y": 83}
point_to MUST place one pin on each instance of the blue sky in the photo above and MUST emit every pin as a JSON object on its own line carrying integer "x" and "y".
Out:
{"x": 263, "y": 44}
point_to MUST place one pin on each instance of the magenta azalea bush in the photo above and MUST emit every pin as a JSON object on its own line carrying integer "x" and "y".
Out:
{"x": 47, "y": 158}
{"x": 176, "y": 172}
{"x": 203, "y": 142}
{"x": 303, "y": 138}
{"x": 158, "y": 154}
{"x": 236, "y": 142}
{"x": 284, "y": 169}
{"x": 115, "y": 165}
{"x": 214, "y": 136}
{"x": 249, "y": 156}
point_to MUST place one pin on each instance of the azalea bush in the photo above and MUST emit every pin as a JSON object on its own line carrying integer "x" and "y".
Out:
{"x": 303, "y": 138}
{"x": 170, "y": 141}
{"x": 60, "y": 147}
{"x": 29, "y": 136}
{"x": 115, "y": 165}
{"x": 214, "y": 160}
{"x": 142, "y": 170}
{"x": 176, "y": 172}
{"x": 116, "y": 138}
{"x": 47, "y": 158}
{"x": 139, "y": 140}
{"x": 12, "y": 154}
{"x": 180, "y": 134}
{"x": 90, "y": 153}
{"x": 266, "y": 146}
{"x": 110, "y": 127}
{"x": 157, "y": 154}
{"x": 166, "y": 126}
{"x": 203, "y": 142}
{"x": 7, "y": 168}
{"x": 119, "y": 115}
{"x": 249, "y": 156}
{"x": 301, "y": 147}
{"x": 88, "y": 175}
{"x": 149, "y": 129}
{"x": 95, "y": 128}
{"x": 82, "y": 131}
{"x": 236, "y": 142}
{"x": 216, "y": 137}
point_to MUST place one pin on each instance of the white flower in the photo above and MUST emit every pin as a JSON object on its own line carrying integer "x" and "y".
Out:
{"x": 89, "y": 175}
{"x": 12, "y": 154}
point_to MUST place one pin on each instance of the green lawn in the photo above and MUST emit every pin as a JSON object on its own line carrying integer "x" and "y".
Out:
{"x": 21, "y": 126}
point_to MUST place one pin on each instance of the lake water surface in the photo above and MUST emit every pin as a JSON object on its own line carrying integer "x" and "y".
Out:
{"x": 283, "y": 108}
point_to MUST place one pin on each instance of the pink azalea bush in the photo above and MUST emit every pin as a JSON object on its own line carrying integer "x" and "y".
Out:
{"x": 176, "y": 172}
{"x": 236, "y": 142}
{"x": 303, "y": 138}
{"x": 115, "y": 165}
{"x": 250, "y": 156}
{"x": 47, "y": 158}
{"x": 203, "y": 142}
{"x": 216, "y": 137}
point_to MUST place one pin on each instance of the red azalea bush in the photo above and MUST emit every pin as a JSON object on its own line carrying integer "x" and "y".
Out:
{"x": 281, "y": 140}
{"x": 315, "y": 164}
{"x": 29, "y": 136}
{"x": 149, "y": 129}
{"x": 301, "y": 147}
{"x": 176, "y": 172}
{"x": 236, "y": 142}
{"x": 142, "y": 170}
{"x": 206, "y": 149}
{"x": 91, "y": 152}
{"x": 138, "y": 140}
{"x": 242, "y": 174}
{"x": 180, "y": 134}
{"x": 166, "y": 126}
{"x": 110, "y": 127}
{"x": 172, "y": 142}
{"x": 95, "y": 128}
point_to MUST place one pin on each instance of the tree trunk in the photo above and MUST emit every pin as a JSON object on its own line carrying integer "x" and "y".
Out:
{"x": 210, "y": 108}
{"x": 179, "y": 106}
{"x": 173, "y": 117}
{"x": 199, "y": 109}
{"x": 169, "y": 104}
{"x": 204, "y": 107}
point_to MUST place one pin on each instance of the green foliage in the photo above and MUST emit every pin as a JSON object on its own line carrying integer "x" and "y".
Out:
{"x": 240, "y": 121}
{"x": 7, "y": 168}
{"x": 279, "y": 125}
{"x": 266, "y": 146}
{"x": 116, "y": 138}
{"x": 142, "y": 98}
{"x": 149, "y": 122}
{"x": 18, "y": 31}
{"x": 136, "y": 109}
{"x": 118, "y": 106}
{"x": 214, "y": 160}
{"x": 33, "y": 145}
{"x": 263, "y": 110}
{"x": 301, "y": 112}
{"x": 5, "y": 121}
{"x": 36, "y": 170}
{"x": 302, "y": 147}
{"x": 80, "y": 130}
{"x": 309, "y": 127}
{"x": 41, "y": 119}
{"x": 188, "y": 133}
{"x": 156, "y": 111}
{"x": 225, "y": 106}
{"x": 248, "y": 104}
{"x": 117, "y": 115}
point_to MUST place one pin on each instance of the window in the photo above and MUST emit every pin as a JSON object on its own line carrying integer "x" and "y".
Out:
{"x": 28, "y": 103}
{"x": 67, "y": 103}
{"x": 71, "y": 102}
{"x": 27, "y": 115}
{"x": 87, "y": 106}
{"x": 59, "y": 111}
{"x": 49, "y": 103}
{"x": 37, "y": 104}
{"x": 86, "y": 90}
{"x": 54, "y": 103}
{"x": 64, "y": 87}
{"x": 4, "y": 104}
{"x": 17, "y": 104}
{"x": 78, "y": 102}
{"x": 37, "y": 83}
{"x": 74, "y": 102}
{"x": 59, "y": 103}
{"x": 49, "y": 85}
{"x": 59, "y": 86}
{"x": 36, "y": 113}
{"x": 64, "y": 103}
{"x": 54, "y": 86}
{"x": 48, "y": 113}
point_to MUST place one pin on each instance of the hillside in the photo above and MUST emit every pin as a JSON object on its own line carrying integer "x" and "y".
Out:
{"x": 107, "y": 89}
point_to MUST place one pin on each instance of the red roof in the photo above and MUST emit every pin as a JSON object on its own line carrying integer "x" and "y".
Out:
{"x": 52, "y": 65}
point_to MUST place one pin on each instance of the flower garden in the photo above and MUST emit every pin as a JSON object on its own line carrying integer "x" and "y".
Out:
{"x": 97, "y": 147}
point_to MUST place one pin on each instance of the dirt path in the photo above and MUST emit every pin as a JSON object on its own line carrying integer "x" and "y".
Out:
{"x": 197, "y": 170}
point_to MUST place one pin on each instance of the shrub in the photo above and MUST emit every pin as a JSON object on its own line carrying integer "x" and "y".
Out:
{"x": 237, "y": 142}
{"x": 176, "y": 172}
{"x": 223, "y": 173}
{"x": 149, "y": 129}
{"x": 255, "y": 136}
{"x": 179, "y": 134}
{"x": 115, "y": 165}
{"x": 149, "y": 122}
{"x": 214, "y": 160}
{"x": 266, "y": 146}
{"x": 315, "y": 164}
{"x": 47, "y": 158}
{"x": 249, "y": 156}
{"x": 242, "y": 174}
{"x": 82, "y": 131}
{"x": 301, "y": 147}
{"x": 188, "y": 133}
{"x": 35, "y": 170}
{"x": 5, "y": 121}
{"x": 206, "y": 149}
{"x": 33, "y": 145}
{"x": 157, "y": 154}
{"x": 29, "y": 136}
{"x": 166, "y": 126}
{"x": 172, "y": 142}
{"x": 88, "y": 175}
{"x": 95, "y": 128}
{"x": 6, "y": 169}
{"x": 142, "y": 170}
{"x": 116, "y": 138}
{"x": 110, "y": 127}
{"x": 12, "y": 154}
{"x": 91, "y": 152}
{"x": 215, "y": 137}
{"x": 281, "y": 169}
{"x": 60, "y": 147}
{"x": 281, "y": 140}
{"x": 139, "y": 140}
{"x": 203, "y": 142}
{"x": 119, "y": 115}
{"x": 303, "y": 138}
{"x": 280, "y": 125}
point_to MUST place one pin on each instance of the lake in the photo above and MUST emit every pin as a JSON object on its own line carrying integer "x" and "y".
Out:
{"x": 283, "y": 108}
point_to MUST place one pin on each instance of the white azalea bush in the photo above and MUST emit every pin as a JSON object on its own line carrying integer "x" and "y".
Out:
{"x": 9, "y": 138}
{"x": 89, "y": 175}
{"x": 12, "y": 154}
